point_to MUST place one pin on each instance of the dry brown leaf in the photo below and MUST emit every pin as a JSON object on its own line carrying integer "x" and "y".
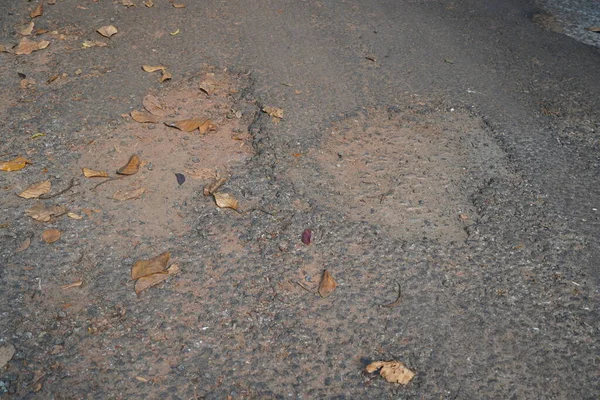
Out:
{"x": 141, "y": 379}
{"x": 93, "y": 43}
{"x": 14, "y": 164}
{"x": 7, "y": 351}
{"x": 51, "y": 235}
{"x": 107, "y": 31}
{"x": 225, "y": 200}
{"x": 24, "y": 246}
{"x": 150, "y": 280}
{"x": 131, "y": 195}
{"x": 149, "y": 3}
{"x": 151, "y": 266}
{"x": 187, "y": 125}
{"x": 27, "y": 83}
{"x": 143, "y": 117}
{"x": 91, "y": 173}
{"x": 72, "y": 215}
{"x": 594, "y": 29}
{"x": 128, "y": 3}
{"x": 132, "y": 166}
{"x": 392, "y": 371}
{"x": 178, "y": 5}
{"x": 207, "y": 126}
{"x": 72, "y": 285}
{"x": 208, "y": 86}
{"x": 327, "y": 284}
{"x": 27, "y": 30}
{"x": 51, "y": 2}
{"x": 166, "y": 75}
{"x": 274, "y": 111}
{"x": 38, "y": 10}
{"x": 153, "y": 106}
{"x": 40, "y": 212}
{"x": 5, "y": 49}
{"x": 212, "y": 187}
{"x": 151, "y": 68}
{"x": 36, "y": 190}
{"x": 27, "y": 46}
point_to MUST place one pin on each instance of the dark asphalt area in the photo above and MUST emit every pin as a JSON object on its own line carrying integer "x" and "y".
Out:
{"x": 447, "y": 148}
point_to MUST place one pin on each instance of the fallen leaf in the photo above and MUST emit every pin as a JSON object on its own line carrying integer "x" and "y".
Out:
{"x": 128, "y": 3}
{"x": 40, "y": 212}
{"x": 225, "y": 200}
{"x": 151, "y": 68}
{"x": 392, "y": 371}
{"x": 72, "y": 215}
{"x": 38, "y": 10}
{"x": 143, "y": 117}
{"x": 24, "y": 246}
{"x": 7, "y": 351}
{"x": 207, "y": 126}
{"x": 208, "y": 86}
{"x": 212, "y": 187}
{"x": 188, "y": 125}
{"x": 306, "y": 236}
{"x": 107, "y": 31}
{"x": 51, "y": 2}
{"x": 91, "y": 173}
{"x": 594, "y": 29}
{"x": 273, "y": 111}
{"x": 93, "y": 43}
{"x": 145, "y": 282}
{"x": 153, "y": 106}
{"x": 327, "y": 284}
{"x": 51, "y": 235}
{"x": 132, "y": 195}
{"x": 72, "y": 285}
{"x": 27, "y": 30}
{"x": 27, "y": 83}
{"x": 36, "y": 190}
{"x": 132, "y": 166}
{"x": 27, "y": 46}
{"x": 175, "y": 32}
{"x": 151, "y": 266}
{"x": 166, "y": 75}
{"x": 149, "y": 3}
{"x": 5, "y": 49}
{"x": 139, "y": 378}
{"x": 14, "y": 164}
{"x": 178, "y": 5}
{"x": 180, "y": 178}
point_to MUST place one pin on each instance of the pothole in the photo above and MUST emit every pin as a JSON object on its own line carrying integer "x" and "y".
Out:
{"x": 411, "y": 171}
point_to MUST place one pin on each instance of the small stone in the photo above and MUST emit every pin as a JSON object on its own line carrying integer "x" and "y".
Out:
{"x": 150, "y": 166}
{"x": 151, "y": 126}
{"x": 195, "y": 160}
{"x": 61, "y": 314}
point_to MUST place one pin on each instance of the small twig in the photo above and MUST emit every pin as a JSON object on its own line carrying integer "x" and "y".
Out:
{"x": 37, "y": 380}
{"x": 304, "y": 287}
{"x": 108, "y": 180}
{"x": 395, "y": 302}
{"x": 80, "y": 259}
{"x": 256, "y": 209}
{"x": 72, "y": 183}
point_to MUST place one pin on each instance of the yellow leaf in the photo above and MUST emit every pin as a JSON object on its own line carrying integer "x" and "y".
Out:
{"x": 139, "y": 378}
{"x": 392, "y": 371}
{"x": 151, "y": 68}
{"x": 274, "y": 111}
{"x": 51, "y": 235}
{"x": 132, "y": 195}
{"x": 175, "y": 33}
{"x": 143, "y": 117}
{"x": 107, "y": 31}
{"x": 132, "y": 166}
{"x": 27, "y": 30}
{"x": 36, "y": 190}
{"x": 166, "y": 75}
{"x": 39, "y": 212}
{"x": 14, "y": 164}
{"x": 93, "y": 43}
{"x": 91, "y": 173}
{"x": 72, "y": 215}
{"x": 225, "y": 200}
{"x": 178, "y": 5}
{"x": 38, "y": 10}
{"x": 327, "y": 285}
{"x": 149, "y": 3}
{"x": 72, "y": 285}
{"x": 145, "y": 282}
{"x": 128, "y": 3}
{"x": 151, "y": 266}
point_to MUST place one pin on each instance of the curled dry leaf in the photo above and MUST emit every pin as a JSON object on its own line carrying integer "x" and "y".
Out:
{"x": 14, "y": 164}
{"x": 327, "y": 284}
{"x": 151, "y": 266}
{"x": 207, "y": 126}
{"x": 225, "y": 200}
{"x": 153, "y": 106}
{"x": 51, "y": 235}
{"x": 149, "y": 3}
{"x": 178, "y": 5}
{"x": 594, "y": 29}
{"x": 153, "y": 68}
{"x": 91, "y": 173}
{"x": 107, "y": 31}
{"x": 72, "y": 285}
{"x": 28, "y": 29}
{"x": 24, "y": 246}
{"x": 36, "y": 190}
{"x": 176, "y": 32}
{"x": 38, "y": 10}
{"x": 208, "y": 86}
{"x": 72, "y": 215}
{"x": 27, "y": 46}
{"x": 166, "y": 75}
{"x": 150, "y": 280}
{"x": 143, "y": 117}
{"x": 273, "y": 111}
{"x": 132, "y": 166}
{"x": 212, "y": 187}
{"x": 131, "y": 195}
{"x": 128, "y": 3}
{"x": 41, "y": 213}
{"x": 187, "y": 125}
{"x": 392, "y": 371}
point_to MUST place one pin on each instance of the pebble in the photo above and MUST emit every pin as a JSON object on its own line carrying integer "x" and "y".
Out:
{"x": 150, "y": 166}
{"x": 151, "y": 126}
{"x": 61, "y": 314}
{"x": 195, "y": 159}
